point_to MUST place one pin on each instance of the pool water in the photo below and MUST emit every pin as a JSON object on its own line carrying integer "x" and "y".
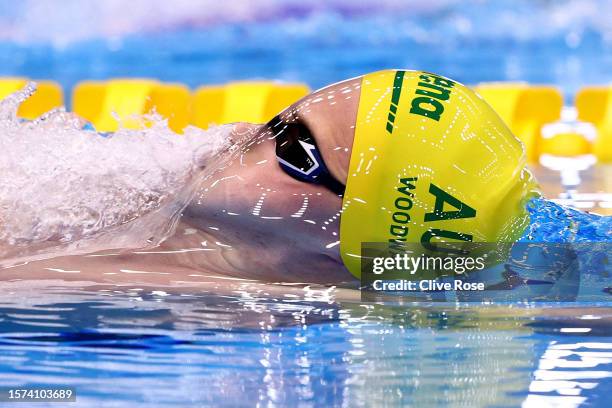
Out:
{"x": 312, "y": 346}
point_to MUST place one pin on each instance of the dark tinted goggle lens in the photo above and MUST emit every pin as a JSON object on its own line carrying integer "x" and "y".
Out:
{"x": 299, "y": 156}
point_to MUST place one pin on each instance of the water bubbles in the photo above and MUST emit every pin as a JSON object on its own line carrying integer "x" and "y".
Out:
{"x": 72, "y": 190}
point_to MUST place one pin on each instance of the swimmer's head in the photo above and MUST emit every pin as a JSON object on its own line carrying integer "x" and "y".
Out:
{"x": 421, "y": 158}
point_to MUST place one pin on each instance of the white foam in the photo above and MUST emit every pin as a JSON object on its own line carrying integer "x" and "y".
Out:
{"x": 65, "y": 190}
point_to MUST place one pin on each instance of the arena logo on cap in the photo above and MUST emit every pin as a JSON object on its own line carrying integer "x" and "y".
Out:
{"x": 434, "y": 90}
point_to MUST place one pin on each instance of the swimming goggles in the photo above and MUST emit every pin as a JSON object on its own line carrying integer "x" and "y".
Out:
{"x": 299, "y": 156}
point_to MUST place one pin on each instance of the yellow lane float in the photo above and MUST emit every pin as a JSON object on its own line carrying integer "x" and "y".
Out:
{"x": 254, "y": 102}
{"x": 594, "y": 104}
{"x": 566, "y": 144}
{"x": 48, "y": 96}
{"x": 102, "y": 102}
{"x": 525, "y": 109}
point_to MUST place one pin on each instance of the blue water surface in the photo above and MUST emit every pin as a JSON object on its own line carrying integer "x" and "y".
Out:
{"x": 551, "y": 222}
{"x": 124, "y": 347}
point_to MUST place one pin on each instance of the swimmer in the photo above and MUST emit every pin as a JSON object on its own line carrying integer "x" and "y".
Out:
{"x": 400, "y": 156}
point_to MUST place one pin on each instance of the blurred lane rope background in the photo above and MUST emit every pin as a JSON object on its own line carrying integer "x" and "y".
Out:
{"x": 566, "y": 42}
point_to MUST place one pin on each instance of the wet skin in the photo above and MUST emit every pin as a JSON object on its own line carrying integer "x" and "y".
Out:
{"x": 279, "y": 228}
{"x": 251, "y": 220}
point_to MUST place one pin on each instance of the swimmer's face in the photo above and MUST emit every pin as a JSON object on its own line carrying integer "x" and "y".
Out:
{"x": 270, "y": 223}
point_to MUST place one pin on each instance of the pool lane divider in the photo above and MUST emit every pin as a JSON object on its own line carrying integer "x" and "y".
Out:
{"x": 525, "y": 108}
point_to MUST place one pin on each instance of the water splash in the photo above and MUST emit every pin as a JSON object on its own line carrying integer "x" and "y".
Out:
{"x": 554, "y": 223}
{"x": 66, "y": 190}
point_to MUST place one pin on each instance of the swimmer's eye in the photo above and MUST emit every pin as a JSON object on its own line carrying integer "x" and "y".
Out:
{"x": 297, "y": 153}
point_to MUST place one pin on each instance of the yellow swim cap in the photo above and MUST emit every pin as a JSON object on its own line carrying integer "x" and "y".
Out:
{"x": 431, "y": 162}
